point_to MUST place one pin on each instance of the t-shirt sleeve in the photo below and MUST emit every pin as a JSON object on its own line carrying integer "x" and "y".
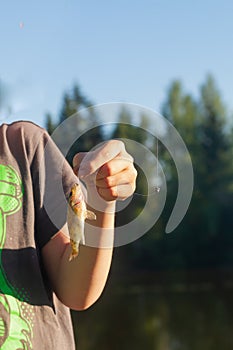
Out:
{"x": 52, "y": 179}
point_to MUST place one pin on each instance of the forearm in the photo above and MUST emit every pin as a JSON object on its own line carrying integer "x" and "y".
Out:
{"x": 109, "y": 175}
{"x": 80, "y": 282}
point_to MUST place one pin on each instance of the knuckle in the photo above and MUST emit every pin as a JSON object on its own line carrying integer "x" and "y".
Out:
{"x": 134, "y": 173}
{"x": 108, "y": 181}
{"x": 107, "y": 169}
{"x": 118, "y": 143}
{"x": 121, "y": 144}
{"x": 130, "y": 158}
{"x": 105, "y": 154}
{"x": 133, "y": 187}
{"x": 113, "y": 192}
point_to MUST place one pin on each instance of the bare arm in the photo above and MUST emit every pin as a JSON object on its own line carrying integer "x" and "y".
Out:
{"x": 79, "y": 283}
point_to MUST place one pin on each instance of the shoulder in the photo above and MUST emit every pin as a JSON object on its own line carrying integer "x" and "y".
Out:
{"x": 27, "y": 133}
{"x": 24, "y": 138}
{"x": 26, "y": 128}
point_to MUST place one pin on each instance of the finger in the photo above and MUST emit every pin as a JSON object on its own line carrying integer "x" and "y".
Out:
{"x": 120, "y": 192}
{"x": 124, "y": 177}
{"x": 77, "y": 160}
{"x": 113, "y": 167}
{"x": 95, "y": 159}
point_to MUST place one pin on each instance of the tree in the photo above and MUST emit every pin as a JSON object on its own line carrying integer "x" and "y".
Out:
{"x": 214, "y": 140}
{"x": 203, "y": 124}
{"x": 204, "y": 237}
{"x": 215, "y": 176}
{"x": 49, "y": 124}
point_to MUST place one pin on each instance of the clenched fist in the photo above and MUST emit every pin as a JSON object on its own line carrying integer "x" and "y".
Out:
{"x": 109, "y": 168}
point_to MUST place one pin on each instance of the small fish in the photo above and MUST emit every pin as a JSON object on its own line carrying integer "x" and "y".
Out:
{"x": 76, "y": 222}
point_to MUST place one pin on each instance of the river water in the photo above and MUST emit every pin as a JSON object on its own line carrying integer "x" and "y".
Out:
{"x": 195, "y": 314}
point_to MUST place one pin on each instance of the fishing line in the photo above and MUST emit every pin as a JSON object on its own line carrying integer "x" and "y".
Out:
{"x": 156, "y": 188}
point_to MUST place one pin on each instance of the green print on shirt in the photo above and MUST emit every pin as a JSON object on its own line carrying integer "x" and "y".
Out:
{"x": 19, "y": 331}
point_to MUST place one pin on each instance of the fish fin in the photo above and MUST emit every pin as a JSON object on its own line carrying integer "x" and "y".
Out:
{"x": 91, "y": 215}
{"x": 73, "y": 255}
{"x": 74, "y": 250}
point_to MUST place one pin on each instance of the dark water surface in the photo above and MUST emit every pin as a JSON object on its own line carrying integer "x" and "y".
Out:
{"x": 188, "y": 311}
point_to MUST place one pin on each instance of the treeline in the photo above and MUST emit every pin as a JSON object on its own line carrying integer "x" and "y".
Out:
{"x": 205, "y": 236}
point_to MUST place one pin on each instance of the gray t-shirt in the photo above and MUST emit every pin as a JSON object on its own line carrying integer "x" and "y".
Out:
{"x": 32, "y": 210}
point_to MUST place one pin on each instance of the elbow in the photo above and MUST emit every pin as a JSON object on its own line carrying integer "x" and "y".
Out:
{"x": 82, "y": 306}
{"x": 80, "y": 303}
{"x": 86, "y": 302}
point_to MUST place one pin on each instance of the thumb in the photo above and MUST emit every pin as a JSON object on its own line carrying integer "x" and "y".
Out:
{"x": 77, "y": 161}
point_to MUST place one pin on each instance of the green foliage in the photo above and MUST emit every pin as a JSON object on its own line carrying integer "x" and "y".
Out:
{"x": 160, "y": 279}
{"x": 204, "y": 236}
{"x": 203, "y": 123}
{"x": 49, "y": 124}
{"x": 73, "y": 101}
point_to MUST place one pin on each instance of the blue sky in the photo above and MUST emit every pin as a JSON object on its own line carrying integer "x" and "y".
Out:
{"x": 117, "y": 51}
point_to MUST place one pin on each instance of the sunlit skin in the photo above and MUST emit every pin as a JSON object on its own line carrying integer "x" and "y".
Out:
{"x": 109, "y": 175}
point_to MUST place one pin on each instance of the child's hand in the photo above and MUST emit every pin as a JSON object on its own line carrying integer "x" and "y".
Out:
{"x": 110, "y": 168}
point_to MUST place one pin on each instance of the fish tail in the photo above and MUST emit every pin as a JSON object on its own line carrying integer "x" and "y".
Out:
{"x": 74, "y": 250}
